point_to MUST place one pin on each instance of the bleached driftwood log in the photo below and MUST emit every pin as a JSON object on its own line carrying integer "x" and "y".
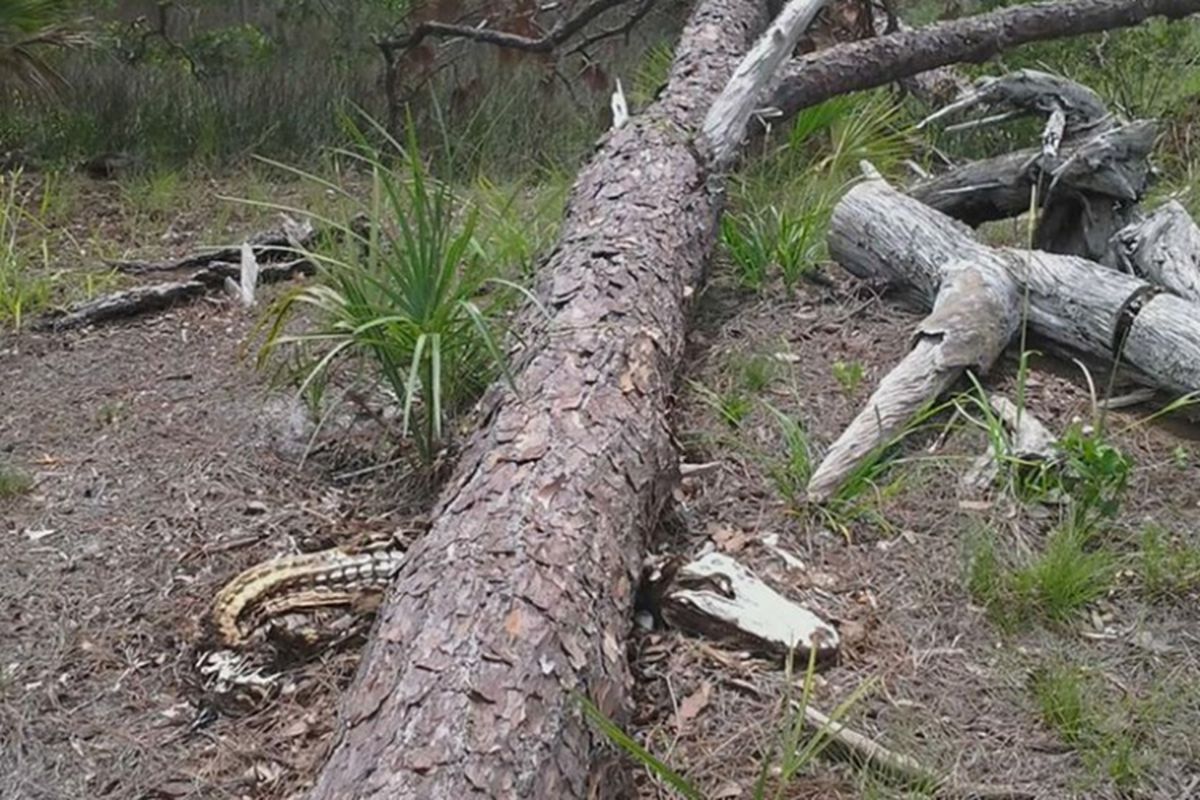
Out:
{"x": 1088, "y": 189}
{"x": 883, "y": 236}
{"x": 715, "y": 596}
{"x": 975, "y": 313}
{"x": 1163, "y": 248}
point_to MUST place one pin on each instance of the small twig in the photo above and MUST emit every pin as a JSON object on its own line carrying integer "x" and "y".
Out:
{"x": 557, "y": 35}
{"x": 624, "y": 28}
{"x": 905, "y": 767}
{"x": 983, "y": 122}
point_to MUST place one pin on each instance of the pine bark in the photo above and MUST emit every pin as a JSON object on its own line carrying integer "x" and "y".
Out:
{"x": 520, "y": 595}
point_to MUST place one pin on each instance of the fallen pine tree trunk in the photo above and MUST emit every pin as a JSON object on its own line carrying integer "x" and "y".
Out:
{"x": 520, "y": 595}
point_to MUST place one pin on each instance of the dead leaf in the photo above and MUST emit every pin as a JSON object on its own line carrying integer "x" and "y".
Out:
{"x": 727, "y": 791}
{"x": 295, "y": 730}
{"x": 693, "y": 704}
{"x": 852, "y": 632}
{"x": 728, "y": 539}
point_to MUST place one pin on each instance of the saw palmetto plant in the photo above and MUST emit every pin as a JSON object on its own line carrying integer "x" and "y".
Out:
{"x": 30, "y": 31}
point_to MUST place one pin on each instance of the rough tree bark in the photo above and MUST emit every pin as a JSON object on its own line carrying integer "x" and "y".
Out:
{"x": 521, "y": 592}
{"x": 884, "y": 59}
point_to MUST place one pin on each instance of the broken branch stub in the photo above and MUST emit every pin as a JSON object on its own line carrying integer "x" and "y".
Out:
{"x": 727, "y": 118}
{"x": 975, "y": 313}
{"x": 716, "y": 597}
{"x": 1163, "y": 248}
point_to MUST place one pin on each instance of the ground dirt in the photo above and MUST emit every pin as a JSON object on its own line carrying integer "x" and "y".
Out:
{"x": 163, "y": 465}
{"x": 947, "y": 686}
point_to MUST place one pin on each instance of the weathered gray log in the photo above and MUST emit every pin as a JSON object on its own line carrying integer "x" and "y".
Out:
{"x": 975, "y": 313}
{"x": 728, "y": 117}
{"x": 118, "y": 305}
{"x": 1089, "y": 189}
{"x": 521, "y": 592}
{"x": 884, "y": 236}
{"x": 718, "y": 598}
{"x": 1163, "y": 248}
{"x": 1030, "y": 91}
{"x": 272, "y": 245}
{"x": 877, "y": 62}
{"x": 159, "y": 296}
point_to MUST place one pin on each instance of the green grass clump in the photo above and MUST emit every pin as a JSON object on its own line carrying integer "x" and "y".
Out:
{"x": 781, "y": 203}
{"x": 796, "y": 744}
{"x": 732, "y": 406}
{"x": 411, "y": 291}
{"x": 849, "y": 375}
{"x": 1066, "y": 577}
{"x": 1064, "y": 700}
{"x": 1168, "y": 567}
{"x": 14, "y": 481}
{"x": 24, "y": 288}
{"x": 1055, "y": 585}
{"x": 790, "y": 469}
{"x": 1109, "y": 736}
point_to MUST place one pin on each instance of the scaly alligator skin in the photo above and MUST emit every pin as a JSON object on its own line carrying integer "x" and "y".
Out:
{"x": 308, "y": 580}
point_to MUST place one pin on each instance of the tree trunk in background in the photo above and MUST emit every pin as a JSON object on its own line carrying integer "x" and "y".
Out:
{"x": 521, "y": 593}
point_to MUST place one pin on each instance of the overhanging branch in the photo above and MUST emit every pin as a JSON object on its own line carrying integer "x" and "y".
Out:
{"x": 560, "y": 33}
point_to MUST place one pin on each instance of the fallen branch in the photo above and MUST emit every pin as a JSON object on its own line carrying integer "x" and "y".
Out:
{"x": 1029, "y": 91}
{"x": 877, "y": 62}
{"x": 884, "y": 236}
{"x": 863, "y": 748}
{"x": 272, "y": 245}
{"x": 160, "y": 296}
{"x": 139, "y": 300}
{"x": 729, "y": 114}
{"x": 974, "y": 316}
{"x": 559, "y": 34}
{"x": 1113, "y": 164}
